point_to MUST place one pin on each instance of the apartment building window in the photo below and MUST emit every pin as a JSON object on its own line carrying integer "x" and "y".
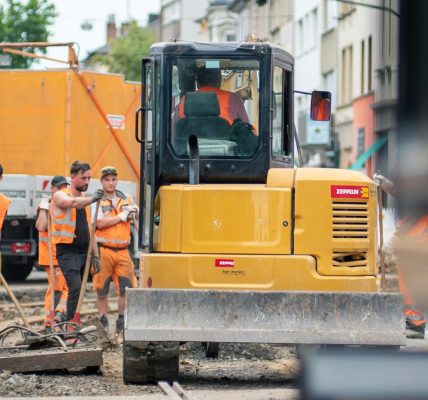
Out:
{"x": 346, "y": 81}
{"x": 329, "y": 84}
{"x": 300, "y": 36}
{"x": 307, "y": 28}
{"x": 369, "y": 64}
{"x": 361, "y": 142}
{"x": 329, "y": 15}
{"x": 230, "y": 36}
{"x": 312, "y": 28}
{"x": 171, "y": 12}
{"x": 362, "y": 66}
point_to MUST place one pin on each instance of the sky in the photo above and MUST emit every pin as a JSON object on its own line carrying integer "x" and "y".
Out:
{"x": 72, "y": 13}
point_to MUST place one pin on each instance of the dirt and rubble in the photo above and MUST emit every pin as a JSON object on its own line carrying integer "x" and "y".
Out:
{"x": 239, "y": 366}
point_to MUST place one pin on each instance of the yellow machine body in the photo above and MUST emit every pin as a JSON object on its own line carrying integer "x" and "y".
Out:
{"x": 293, "y": 233}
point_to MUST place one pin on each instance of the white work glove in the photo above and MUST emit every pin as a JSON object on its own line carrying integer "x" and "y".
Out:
{"x": 384, "y": 183}
{"x": 124, "y": 214}
{"x": 44, "y": 203}
{"x": 133, "y": 211}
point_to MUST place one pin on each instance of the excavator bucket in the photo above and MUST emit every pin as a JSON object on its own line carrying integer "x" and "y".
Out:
{"x": 174, "y": 315}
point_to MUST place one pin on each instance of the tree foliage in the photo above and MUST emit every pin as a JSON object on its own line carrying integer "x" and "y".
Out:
{"x": 27, "y": 22}
{"x": 127, "y": 52}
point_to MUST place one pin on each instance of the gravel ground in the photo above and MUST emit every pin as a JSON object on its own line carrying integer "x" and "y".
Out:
{"x": 239, "y": 366}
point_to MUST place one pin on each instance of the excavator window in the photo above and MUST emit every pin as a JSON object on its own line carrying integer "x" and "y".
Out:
{"x": 217, "y": 100}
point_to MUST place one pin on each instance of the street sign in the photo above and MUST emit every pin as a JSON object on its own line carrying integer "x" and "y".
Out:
{"x": 5, "y": 60}
{"x": 317, "y": 132}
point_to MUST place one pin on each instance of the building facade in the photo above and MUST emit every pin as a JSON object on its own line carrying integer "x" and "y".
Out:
{"x": 180, "y": 19}
{"x": 347, "y": 49}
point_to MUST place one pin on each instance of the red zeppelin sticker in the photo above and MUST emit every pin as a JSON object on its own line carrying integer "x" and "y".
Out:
{"x": 224, "y": 263}
{"x": 349, "y": 192}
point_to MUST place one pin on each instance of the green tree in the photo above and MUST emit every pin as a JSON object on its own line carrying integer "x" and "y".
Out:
{"x": 27, "y": 22}
{"x": 127, "y": 51}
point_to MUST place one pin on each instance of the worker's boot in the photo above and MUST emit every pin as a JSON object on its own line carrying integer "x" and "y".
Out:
{"x": 415, "y": 322}
{"x": 59, "y": 317}
{"x": 119, "y": 324}
{"x": 414, "y": 331}
{"x": 104, "y": 322}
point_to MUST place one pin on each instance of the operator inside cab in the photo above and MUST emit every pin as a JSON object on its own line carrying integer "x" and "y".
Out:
{"x": 217, "y": 117}
{"x": 231, "y": 104}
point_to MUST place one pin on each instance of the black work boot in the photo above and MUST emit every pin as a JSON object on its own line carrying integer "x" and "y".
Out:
{"x": 414, "y": 331}
{"x": 119, "y": 324}
{"x": 104, "y": 322}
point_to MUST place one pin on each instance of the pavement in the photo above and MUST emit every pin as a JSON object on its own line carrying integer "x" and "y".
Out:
{"x": 201, "y": 394}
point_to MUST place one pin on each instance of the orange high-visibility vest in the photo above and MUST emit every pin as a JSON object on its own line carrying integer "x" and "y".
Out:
{"x": 64, "y": 225}
{"x": 223, "y": 101}
{"x": 118, "y": 235}
{"x": 4, "y": 205}
{"x": 44, "y": 246}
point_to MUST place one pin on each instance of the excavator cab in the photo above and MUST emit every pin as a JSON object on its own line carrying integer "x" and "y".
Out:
{"x": 259, "y": 103}
{"x": 237, "y": 244}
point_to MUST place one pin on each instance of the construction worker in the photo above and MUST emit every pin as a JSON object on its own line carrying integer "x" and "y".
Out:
{"x": 415, "y": 320}
{"x": 60, "y": 286}
{"x": 113, "y": 239}
{"x": 4, "y": 203}
{"x": 71, "y": 226}
{"x": 231, "y": 104}
{"x": 321, "y": 106}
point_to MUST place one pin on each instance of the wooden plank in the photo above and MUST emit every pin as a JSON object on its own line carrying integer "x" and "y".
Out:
{"x": 36, "y": 360}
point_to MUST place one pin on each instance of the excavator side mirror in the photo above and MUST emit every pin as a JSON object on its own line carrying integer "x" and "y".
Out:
{"x": 320, "y": 106}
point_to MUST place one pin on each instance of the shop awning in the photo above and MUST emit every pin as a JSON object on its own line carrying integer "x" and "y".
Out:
{"x": 362, "y": 159}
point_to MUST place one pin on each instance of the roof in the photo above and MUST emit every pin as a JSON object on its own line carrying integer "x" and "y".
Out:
{"x": 192, "y": 48}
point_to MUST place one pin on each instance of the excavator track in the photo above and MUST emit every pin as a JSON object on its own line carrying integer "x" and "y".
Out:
{"x": 150, "y": 362}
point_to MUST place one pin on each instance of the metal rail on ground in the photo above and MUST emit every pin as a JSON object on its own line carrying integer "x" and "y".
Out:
{"x": 175, "y": 391}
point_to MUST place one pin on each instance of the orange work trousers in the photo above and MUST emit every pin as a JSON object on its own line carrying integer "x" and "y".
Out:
{"x": 60, "y": 295}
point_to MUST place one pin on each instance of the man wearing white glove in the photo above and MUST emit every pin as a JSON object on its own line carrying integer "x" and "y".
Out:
{"x": 71, "y": 218}
{"x": 113, "y": 238}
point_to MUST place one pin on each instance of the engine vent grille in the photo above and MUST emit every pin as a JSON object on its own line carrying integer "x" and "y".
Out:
{"x": 350, "y": 259}
{"x": 350, "y": 220}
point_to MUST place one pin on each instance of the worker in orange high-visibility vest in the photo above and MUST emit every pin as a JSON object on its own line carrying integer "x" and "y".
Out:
{"x": 415, "y": 320}
{"x": 71, "y": 219}
{"x": 4, "y": 203}
{"x": 60, "y": 286}
{"x": 231, "y": 104}
{"x": 113, "y": 238}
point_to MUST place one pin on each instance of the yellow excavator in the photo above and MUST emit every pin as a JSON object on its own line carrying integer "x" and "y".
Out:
{"x": 240, "y": 244}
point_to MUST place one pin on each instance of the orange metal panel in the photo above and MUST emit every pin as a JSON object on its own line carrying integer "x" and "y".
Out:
{"x": 47, "y": 120}
{"x": 32, "y": 115}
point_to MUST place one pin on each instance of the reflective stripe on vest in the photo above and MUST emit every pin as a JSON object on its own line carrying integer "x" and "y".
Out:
{"x": 117, "y": 235}
{"x": 44, "y": 250}
{"x": 64, "y": 225}
{"x": 223, "y": 102}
